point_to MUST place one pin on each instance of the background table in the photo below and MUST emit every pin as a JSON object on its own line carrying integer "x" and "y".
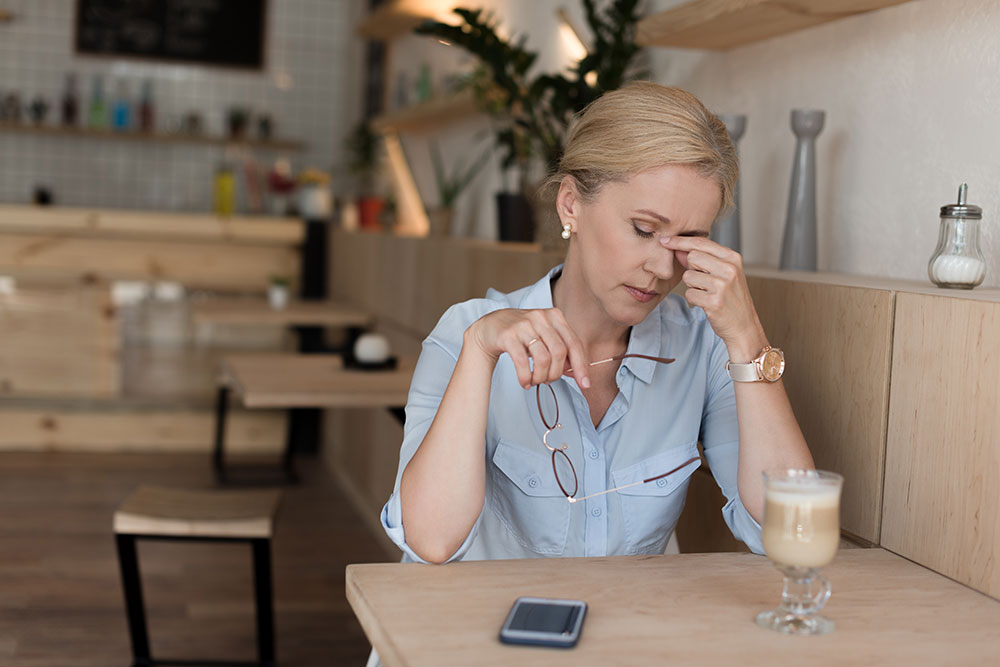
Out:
{"x": 284, "y": 380}
{"x": 308, "y": 318}
{"x": 673, "y": 610}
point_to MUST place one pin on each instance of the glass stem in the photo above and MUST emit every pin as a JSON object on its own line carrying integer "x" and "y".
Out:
{"x": 797, "y": 594}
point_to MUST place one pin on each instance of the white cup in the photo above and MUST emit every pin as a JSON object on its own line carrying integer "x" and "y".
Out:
{"x": 371, "y": 348}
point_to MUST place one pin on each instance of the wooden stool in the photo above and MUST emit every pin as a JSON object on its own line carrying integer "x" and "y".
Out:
{"x": 213, "y": 516}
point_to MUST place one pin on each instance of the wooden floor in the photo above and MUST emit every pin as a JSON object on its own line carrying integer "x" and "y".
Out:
{"x": 60, "y": 594}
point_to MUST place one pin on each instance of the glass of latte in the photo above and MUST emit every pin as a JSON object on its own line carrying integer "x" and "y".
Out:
{"x": 801, "y": 533}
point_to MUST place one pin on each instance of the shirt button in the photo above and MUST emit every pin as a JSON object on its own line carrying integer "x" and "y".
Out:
{"x": 594, "y": 454}
{"x": 533, "y": 482}
{"x": 596, "y": 511}
{"x": 661, "y": 483}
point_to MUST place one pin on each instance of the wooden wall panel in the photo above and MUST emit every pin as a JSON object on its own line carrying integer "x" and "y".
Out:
{"x": 59, "y": 342}
{"x": 942, "y": 481}
{"x": 116, "y": 429}
{"x": 412, "y": 281}
{"x": 197, "y": 264}
{"x": 837, "y": 343}
{"x": 361, "y": 450}
{"x": 701, "y": 527}
{"x": 118, "y": 223}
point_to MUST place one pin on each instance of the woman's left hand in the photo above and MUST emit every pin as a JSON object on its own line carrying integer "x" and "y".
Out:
{"x": 716, "y": 283}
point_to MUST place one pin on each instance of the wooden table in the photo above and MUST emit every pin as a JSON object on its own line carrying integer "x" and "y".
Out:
{"x": 307, "y": 317}
{"x": 283, "y": 380}
{"x": 673, "y": 610}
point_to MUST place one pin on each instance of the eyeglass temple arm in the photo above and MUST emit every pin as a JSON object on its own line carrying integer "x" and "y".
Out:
{"x": 626, "y": 486}
{"x": 662, "y": 360}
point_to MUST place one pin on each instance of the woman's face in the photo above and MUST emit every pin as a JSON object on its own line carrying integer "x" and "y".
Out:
{"x": 617, "y": 236}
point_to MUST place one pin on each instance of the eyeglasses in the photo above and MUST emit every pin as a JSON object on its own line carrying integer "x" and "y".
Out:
{"x": 562, "y": 467}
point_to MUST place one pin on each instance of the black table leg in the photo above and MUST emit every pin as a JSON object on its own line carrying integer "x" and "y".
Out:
{"x": 128, "y": 562}
{"x": 264, "y": 598}
{"x": 221, "y": 409}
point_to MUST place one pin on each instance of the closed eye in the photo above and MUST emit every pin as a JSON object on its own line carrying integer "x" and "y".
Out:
{"x": 642, "y": 233}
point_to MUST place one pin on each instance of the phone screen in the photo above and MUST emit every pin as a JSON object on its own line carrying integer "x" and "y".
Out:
{"x": 544, "y": 617}
{"x": 544, "y": 622}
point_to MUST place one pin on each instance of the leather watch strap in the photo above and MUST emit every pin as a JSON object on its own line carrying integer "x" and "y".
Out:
{"x": 744, "y": 372}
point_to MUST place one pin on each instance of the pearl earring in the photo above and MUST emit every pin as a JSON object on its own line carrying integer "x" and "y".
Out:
{"x": 566, "y": 232}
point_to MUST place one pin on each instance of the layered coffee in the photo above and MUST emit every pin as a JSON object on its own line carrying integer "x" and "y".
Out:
{"x": 801, "y": 522}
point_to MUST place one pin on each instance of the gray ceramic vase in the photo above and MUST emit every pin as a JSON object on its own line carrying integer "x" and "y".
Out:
{"x": 726, "y": 230}
{"x": 798, "y": 247}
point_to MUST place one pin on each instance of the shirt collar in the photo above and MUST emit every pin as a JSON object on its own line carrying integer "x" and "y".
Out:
{"x": 539, "y": 295}
{"x": 645, "y": 338}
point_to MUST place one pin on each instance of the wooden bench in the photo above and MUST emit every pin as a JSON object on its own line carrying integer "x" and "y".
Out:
{"x": 202, "y": 515}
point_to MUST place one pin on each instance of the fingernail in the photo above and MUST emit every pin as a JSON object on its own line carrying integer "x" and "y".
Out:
{"x": 586, "y": 383}
{"x": 664, "y": 240}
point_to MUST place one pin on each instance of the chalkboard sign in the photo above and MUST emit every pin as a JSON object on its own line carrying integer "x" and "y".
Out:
{"x": 214, "y": 32}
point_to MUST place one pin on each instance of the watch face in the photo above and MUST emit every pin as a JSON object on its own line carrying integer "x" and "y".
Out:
{"x": 772, "y": 365}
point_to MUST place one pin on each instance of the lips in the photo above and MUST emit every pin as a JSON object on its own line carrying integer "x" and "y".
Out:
{"x": 642, "y": 296}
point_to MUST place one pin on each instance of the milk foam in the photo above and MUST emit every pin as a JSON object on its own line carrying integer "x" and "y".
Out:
{"x": 798, "y": 494}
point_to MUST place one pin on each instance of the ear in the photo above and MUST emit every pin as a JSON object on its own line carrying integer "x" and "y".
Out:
{"x": 568, "y": 202}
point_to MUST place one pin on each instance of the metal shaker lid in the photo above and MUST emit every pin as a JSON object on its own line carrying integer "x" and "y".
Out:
{"x": 961, "y": 209}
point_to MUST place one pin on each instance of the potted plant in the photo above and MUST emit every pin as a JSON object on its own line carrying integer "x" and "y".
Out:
{"x": 533, "y": 112}
{"x": 362, "y": 144}
{"x": 277, "y": 292}
{"x": 450, "y": 185}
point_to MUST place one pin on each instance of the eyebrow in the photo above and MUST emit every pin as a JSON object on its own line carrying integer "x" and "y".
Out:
{"x": 666, "y": 221}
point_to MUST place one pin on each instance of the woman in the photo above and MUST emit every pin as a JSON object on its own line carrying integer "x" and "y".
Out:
{"x": 646, "y": 171}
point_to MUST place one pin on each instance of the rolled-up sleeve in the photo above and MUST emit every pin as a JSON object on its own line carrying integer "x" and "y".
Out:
{"x": 431, "y": 376}
{"x": 720, "y": 440}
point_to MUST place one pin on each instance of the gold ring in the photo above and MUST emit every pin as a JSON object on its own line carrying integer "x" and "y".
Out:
{"x": 532, "y": 341}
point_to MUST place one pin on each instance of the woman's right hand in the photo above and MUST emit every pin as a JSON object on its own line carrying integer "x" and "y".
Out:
{"x": 541, "y": 335}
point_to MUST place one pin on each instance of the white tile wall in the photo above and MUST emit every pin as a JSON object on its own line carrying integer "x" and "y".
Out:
{"x": 311, "y": 48}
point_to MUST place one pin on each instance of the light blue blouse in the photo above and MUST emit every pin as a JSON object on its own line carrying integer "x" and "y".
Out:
{"x": 653, "y": 425}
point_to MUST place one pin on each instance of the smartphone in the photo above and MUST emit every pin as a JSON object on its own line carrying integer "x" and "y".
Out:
{"x": 544, "y": 622}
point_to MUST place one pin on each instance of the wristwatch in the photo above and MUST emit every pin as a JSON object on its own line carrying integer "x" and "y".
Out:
{"x": 767, "y": 367}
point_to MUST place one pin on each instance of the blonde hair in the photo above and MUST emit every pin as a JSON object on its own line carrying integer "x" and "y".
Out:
{"x": 641, "y": 126}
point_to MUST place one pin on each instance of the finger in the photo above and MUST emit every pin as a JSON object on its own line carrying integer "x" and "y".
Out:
{"x": 577, "y": 357}
{"x": 515, "y": 343}
{"x": 700, "y": 280}
{"x": 710, "y": 264}
{"x": 557, "y": 352}
{"x": 701, "y": 243}
{"x": 697, "y": 298}
{"x": 519, "y": 356}
{"x": 553, "y": 329}
{"x": 541, "y": 358}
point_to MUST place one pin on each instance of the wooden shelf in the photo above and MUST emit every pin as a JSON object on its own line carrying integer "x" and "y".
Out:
{"x": 727, "y": 24}
{"x": 427, "y": 115}
{"x": 398, "y": 17}
{"x": 159, "y": 137}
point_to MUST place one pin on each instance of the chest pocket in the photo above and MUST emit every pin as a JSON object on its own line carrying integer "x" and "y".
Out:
{"x": 650, "y": 511}
{"x": 527, "y": 500}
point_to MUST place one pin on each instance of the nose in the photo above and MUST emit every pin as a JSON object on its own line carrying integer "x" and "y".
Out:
{"x": 660, "y": 262}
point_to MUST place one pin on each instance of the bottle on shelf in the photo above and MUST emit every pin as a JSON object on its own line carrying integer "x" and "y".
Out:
{"x": 70, "y": 102}
{"x": 97, "y": 115}
{"x": 225, "y": 191}
{"x": 121, "y": 114}
{"x": 146, "y": 110}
